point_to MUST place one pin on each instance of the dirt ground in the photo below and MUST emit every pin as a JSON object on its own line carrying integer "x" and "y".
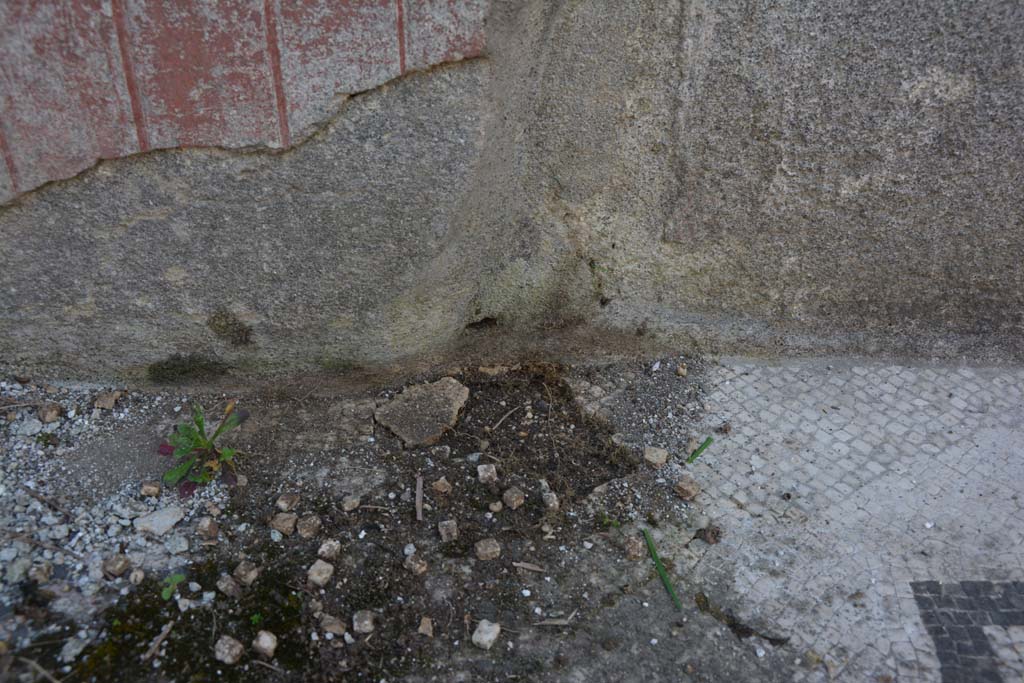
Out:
{"x": 575, "y": 590}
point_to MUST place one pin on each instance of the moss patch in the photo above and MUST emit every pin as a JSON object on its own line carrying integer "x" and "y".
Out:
{"x": 178, "y": 367}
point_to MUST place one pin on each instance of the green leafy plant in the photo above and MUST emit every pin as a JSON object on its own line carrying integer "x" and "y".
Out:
{"x": 171, "y": 585}
{"x": 198, "y": 459}
{"x": 256, "y": 619}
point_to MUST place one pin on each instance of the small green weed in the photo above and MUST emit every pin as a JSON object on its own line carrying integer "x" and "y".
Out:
{"x": 198, "y": 460}
{"x": 256, "y": 619}
{"x": 171, "y": 585}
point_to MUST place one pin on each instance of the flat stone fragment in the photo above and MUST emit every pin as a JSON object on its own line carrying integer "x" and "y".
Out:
{"x": 208, "y": 528}
{"x": 332, "y": 624}
{"x": 426, "y": 627}
{"x": 487, "y": 549}
{"x": 309, "y": 526}
{"x": 442, "y": 486}
{"x": 362, "y": 621}
{"x": 228, "y": 650}
{"x": 655, "y": 456}
{"x": 687, "y": 487}
{"x": 150, "y": 489}
{"x": 486, "y": 634}
{"x": 284, "y": 522}
{"x": 265, "y": 643}
{"x": 229, "y": 587}
{"x": 320, "y": 573}
{"x": 50, "y": 412}
{"x": 246, "y": 572}
{"x": 116, "y": 566}
{"x": 108, "y": 399}
{"x": 349, "y": 503}
{"x": 288, "y": 501}
{"x": 421, "y": 414}
{"x": 448, "y": 529}
{"x": 160, "y": 522}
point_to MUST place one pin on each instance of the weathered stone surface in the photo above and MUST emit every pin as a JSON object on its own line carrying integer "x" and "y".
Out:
{"x": 486, "y": 634}
{"x": 228, "y": 650}
{"x": 487, "y": 549}
{"x": 421, "y": 414}
{"x": 320, "y": 573}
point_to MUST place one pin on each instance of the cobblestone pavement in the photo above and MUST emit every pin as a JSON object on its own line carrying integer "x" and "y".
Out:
{"x": 873, "y": 515}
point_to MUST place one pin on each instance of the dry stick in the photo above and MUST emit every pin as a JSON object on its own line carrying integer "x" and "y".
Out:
{"x": 158, "y": 641}
{"x": 498, "y": 423}
{"x": 269, "y": 666}
{"x": 35, "y": 665}
{"x": 19, "y": 405}
{"x": 40, "y": 544}
{"x": 46, "y": 501}
{"x": 419, "y": 498}
{"x": 528, "y": 566}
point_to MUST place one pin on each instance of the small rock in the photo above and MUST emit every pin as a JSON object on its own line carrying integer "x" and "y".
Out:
{"x": 40, "y": 573}
{"x": 687, "y": 487}
{"x": 691, "y": 445}
{"x": 265, "y": 643}
{"x": 287, "y": 502}
{"x": 320, "y": 573}
{"x": 421, "y": 414}
{"x": 332, "y": 625}
{"x": 426, "y": 627}
{"x": 329, "y": 549}
{"x": 50, "y": 412}
{"x": 176, "y": 544}
{"x": 107, "y": 400}
{"x": 136, "y": 577}
{"x": 409, "y": 549}
{"x": 486, "y": 634}
{"x": 550, "y": 500}
{"x": 350, "y": 503}
{"x": 212, "y": 509}
{"x": 496, "y": 507}
{"x": 416, "y": 564}
{"x": 30, "y": 427}
{"x": 246, "y": 573}
{"x": 228, "y": 650}
{"x": 150, "y": 489}
{"x": 656, "y": 456}
{"x": 160, "y": 522}
{"x": 635, "y": 548}
{"x": 442, "y": 486}
{"x": 208, "y": 528}
{"x": 284, "y": 522}
{"x": 487, "y": 474}
{"x": 487, "y": 549}
{"x": 309, "y": 526}
{"x": 362, "y": 621}
{"x": 514, "y": 497}
{"x": 448, "y": 529}
{"x": 681, "y": 370}
{"x": 229, "y": 587}
{"x": 116, "y": 566}
{"x": 276, "y": 536}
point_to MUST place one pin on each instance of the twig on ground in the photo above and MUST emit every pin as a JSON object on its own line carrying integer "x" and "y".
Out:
{"x": 38, "y": 667}
{"x": 557, "y": 622}
{"x": 159, "y": 640}
{"x": 661, "y": 570}
{"x": 419, "y": 498}
{"x": 47, "y": 501}
{"x": 40, "y": 544}
{"x": 503, "y": 417}
{"x": 700, "y": 449}
{"x": 269, "y": 666}
{"x": 528, "y": 566}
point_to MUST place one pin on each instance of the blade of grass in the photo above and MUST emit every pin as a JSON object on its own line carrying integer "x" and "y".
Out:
{"x": 661, "y": 570}
{"x": 700, "y": 449}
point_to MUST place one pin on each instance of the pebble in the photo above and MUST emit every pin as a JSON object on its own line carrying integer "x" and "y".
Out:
{"x": 487, "y": 474}
{"x": 229, "y": 587}
{"x": 416, "y": 564}
{"x": 284, "y": 522}
{"x": 116, "y": 566}
{"x": 150, "y": 489}
{"x": 332, "y": 625}
{"x": 208, "y": 528}
{"x": 635, "y": 548}
{"x": 487, "y": 549}
{"x": 246, "y": 573}
{"x": 136, "y": 577}
{"x": 681, "y": 370}
{"x": 320, "y": 573}
{"x": 442, "y": 486}
{"x": 176, "y": 544}
{"x": 276, "y": 536}
{"x": 228, "y": 650}
{"x": 409, "y": 549}
{"x": 486, "y": 634}
{"x": 309, "y": 526}
{"x": 655, "y": 456}
{"x": 687, "y": 487}
{"x": 287, "y": 502}
{"x": 426, "y": 627}
{"x": 329, "y": 549}
{"x": 448, "y": 529}
{"x": 362, "y": 621}
{"x": 265, "y": 643}
{"x": 514, "y": 498}
{"x": 496, "y": 506}
{"x": 350, "y": 503}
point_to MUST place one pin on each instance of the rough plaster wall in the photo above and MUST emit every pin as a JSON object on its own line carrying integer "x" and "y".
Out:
{"x": 833, "y": 176}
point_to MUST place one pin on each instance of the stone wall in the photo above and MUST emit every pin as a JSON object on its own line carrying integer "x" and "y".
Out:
{"x": 810, "y": 176}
